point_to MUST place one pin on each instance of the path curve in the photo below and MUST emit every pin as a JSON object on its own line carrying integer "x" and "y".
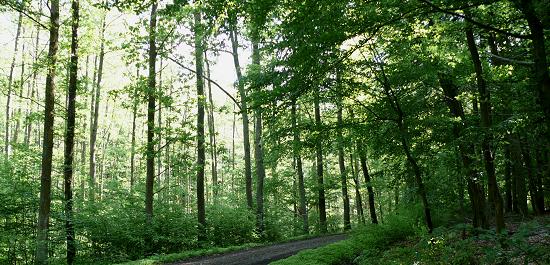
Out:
{"x": 263, "y": 255}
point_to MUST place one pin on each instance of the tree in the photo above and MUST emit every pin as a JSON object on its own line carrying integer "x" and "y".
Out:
{"x": 70, "y": 135}
{"x": 319, "y": 162}
{"x": 47, "y": 147}
{"x": 341, "y": 164}
{"x": 151, "y": 107}
{"x": 485, "y": 106}
{"x": 95, "y": 114}
{"x": 299, "y": 170}
{"x": 7, "y": 138}
{"x": 233, "y": 35}
{"x": 201, "y": 102}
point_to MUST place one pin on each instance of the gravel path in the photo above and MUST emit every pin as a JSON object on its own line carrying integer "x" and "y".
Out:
{"x": 263, "y": 255}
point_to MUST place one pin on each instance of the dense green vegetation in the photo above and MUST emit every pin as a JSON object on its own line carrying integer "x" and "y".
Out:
{"x": 134, "y": 129}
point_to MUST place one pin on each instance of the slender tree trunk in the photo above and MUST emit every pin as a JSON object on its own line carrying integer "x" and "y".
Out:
{"x": 485, "y": 106}
{"x": 201, "y": 157}
{"x": 531, "y": 176}
{"x": 299, "y": 170}
{"x": 212, "y": 134}
{"x": 507, "y": 178}
{"x": 158, "y": 153}
{"x": 233, "y": 128}
{"x": 134, "y": 115}
{"x": 69, "y": 135}
{"x": 151, "y": 98}
{"x": 34, "y": 79}
{"x": 343, "y": 172}
{"x": 404, "y": 138}
{"x": 319, "y": 161}
{"x": 244, "y": 112}
{"x": 47, "y": 150}
{"x": 10, "y": 87}
{"x": 540, "y": 169}
{"x": 518, "y": 174}
{"x": 15, "y": 137}
{"x": 358, "y": 197}
{"x": 258, "y": 149}
{"x": 366, "y": 175}
{"x": 95, "y": 116}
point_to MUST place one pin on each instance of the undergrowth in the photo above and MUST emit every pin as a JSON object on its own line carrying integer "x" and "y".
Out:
{"x": 402, "y": 240}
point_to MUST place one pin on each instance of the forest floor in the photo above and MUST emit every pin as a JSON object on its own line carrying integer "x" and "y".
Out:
{"x": 263, "y": 255}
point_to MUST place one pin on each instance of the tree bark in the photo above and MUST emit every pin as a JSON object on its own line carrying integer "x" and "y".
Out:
{"x": 69, "y": 135}
{"x": 299, "y": 170}
{"x": 151, "y": 98}
{"x": 95, "y": 116}
{"x": 212, "y": 135}
{"x": 366, "y": 175}
{"x": 485, "y": 107}
{"x": 358, "y": 197}
{"x": 244, "y": 112}
{"x": 319, "y": 161}
{"x": 15, "y": 137}
{"x": 258, "y": 149}
{"x": 342, "y": 166}
{"x": 133, "y": 140}
{"x": 33, "y": 86}
{"x": 47, "y": 150}
{"x": 201, "y": 156}
{"x": 10, "y": 88}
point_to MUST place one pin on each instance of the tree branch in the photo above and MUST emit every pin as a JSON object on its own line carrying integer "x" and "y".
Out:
{"x": 474, "y": 22}
{"x": 209, "y": 80}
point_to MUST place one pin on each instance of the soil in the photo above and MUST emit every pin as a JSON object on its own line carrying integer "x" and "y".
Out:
{"x": 262, "y": 255}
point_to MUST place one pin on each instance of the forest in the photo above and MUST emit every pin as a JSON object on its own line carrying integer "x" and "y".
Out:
{"x": 155, "y": 131}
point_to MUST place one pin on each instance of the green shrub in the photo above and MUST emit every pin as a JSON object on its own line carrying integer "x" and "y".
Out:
{"x": 229, "y": 226}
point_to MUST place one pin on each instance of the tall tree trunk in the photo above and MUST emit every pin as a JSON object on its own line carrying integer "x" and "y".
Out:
{"x": 212, "y": 134}
{"x": 485, "y": 106}
{"x": 539, "y": 50}
{"x": 34, "y": 79}
{"x": 158, "y": 153}
{"x": 342, "y": 166}
{"x": 17, "y": 115}
{"x": 319, "y": 161}
{"x": 47, "y": 150}
{"x": 531, "y": 176}
{"x": 95, "y": 116}
{"x": 258, "y": 148}
{"x": 467, "y": 151}
{"x": 404, "y": 139}
{"x": 201, "y": 156}
{"x": 69, "y": 136}
{"x": 233, "y": 129}
{"x": 151, "y": 97}
{"x": 366, "y": 175}
{"x": 358, "y": 197}
{"x": 519, "y": 204}
{"x": 299, "y": 170}
{"x": 507, "y": 178}
{"x": 540, "y": 178}
{"x": 244, "y": 112}
{"x": 10, "y": 87}
{"x": 134, "y": 115}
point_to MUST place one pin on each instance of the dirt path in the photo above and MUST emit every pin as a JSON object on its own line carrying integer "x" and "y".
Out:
{"x": 263, "y": 255}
